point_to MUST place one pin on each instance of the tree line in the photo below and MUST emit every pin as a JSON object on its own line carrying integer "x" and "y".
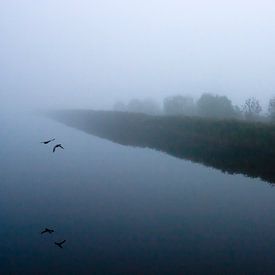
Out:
{"x": 234, "y": 146}
{"x": 208, "y": 106}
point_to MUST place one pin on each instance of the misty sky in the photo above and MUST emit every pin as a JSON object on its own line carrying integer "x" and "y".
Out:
{"x": 85, "y": 53}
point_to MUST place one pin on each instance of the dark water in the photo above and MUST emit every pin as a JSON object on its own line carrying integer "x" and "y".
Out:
{"x": 124, "y": 210}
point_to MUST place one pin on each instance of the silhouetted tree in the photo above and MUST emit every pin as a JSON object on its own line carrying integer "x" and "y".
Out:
{"x": 215, "y": 106}
{"x": 271, "y": 109}
{"x": 252, "y": 109}
{"x": 179, "y": 105}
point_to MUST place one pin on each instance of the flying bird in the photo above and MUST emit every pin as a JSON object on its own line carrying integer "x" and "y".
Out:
{"x": 47, "y": 141}
{"x": 57, "y": 146}
{"x": 47, "y": 230}
{"x": 60, "y": 243}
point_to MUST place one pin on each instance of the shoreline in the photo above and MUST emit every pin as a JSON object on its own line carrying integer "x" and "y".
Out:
{"x": 235, "y": 147}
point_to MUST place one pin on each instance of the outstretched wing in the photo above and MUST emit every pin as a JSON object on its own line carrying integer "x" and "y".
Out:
{"x": 47, "y": 141}
{"x": 61, "y": 146}
{"x": 54, "y": 148}
{"x": 60, "y": 243}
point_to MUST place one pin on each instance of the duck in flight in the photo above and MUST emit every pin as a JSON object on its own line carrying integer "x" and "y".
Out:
{"x": 60, "y": 243}
{"x": 47, "y": 230}
{"x": 57, "y": 146}
{"x": 47, "y": 141}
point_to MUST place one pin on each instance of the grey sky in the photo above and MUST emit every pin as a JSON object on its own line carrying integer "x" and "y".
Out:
{"x": 86, "y": 53}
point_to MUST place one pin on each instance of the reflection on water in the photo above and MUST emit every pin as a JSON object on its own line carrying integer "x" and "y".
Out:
{"x": 123, "y": 210}
{"x": 137, "y": 130}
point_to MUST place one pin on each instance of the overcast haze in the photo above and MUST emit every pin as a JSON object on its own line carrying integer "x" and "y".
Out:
{"x": 130, "y": 193}
{"x": 92, "y": 53}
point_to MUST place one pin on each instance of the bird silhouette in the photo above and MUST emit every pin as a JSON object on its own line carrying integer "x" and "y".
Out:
{"x": 60, "y": 243}
{"x": 47, "y": 141}
{"x": 47, "y": 230}
{"x": 57, "y": 146}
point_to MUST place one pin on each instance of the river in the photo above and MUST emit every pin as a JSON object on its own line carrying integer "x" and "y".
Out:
{"x": 124, "y": 210}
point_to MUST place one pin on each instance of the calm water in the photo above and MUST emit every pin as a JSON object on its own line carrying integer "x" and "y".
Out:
{"x": 124, "y": 210}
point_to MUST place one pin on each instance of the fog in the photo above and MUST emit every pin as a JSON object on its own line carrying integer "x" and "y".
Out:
{"x": 186, "y": 195}
{"x": 92, "y": 53}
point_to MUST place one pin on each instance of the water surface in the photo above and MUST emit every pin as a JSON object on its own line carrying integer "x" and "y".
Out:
{"x": 124, "y": 210}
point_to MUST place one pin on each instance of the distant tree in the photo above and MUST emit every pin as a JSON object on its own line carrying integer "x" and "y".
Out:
{"x": 215, "y": 106}
{"x": 151, "y": 107}
{"x": 120, "y": 106}
{"x": 252, "y": 109}
{"x": 146, "y": 106}
{"x": 271, "y": 109}
{"x": 238, "y": 112}
{"x": 179, "y": 105}
{"x": 134, "y": 106}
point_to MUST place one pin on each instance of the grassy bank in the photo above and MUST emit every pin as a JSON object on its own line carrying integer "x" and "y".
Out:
{"x": 229, "y": 145}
